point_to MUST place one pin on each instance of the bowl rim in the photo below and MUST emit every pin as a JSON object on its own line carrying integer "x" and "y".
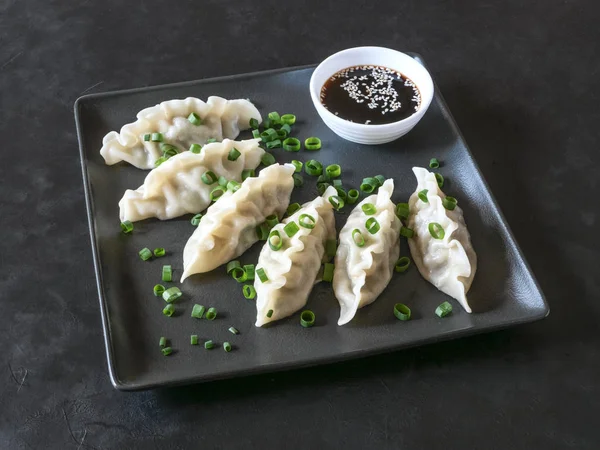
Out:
{"x": 425, "y": 101}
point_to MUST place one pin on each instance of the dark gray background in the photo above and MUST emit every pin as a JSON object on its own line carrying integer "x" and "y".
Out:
{"x": 522, "y": 80}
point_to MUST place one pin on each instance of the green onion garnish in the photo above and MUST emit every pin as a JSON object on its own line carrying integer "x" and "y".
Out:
{"x": 247, "y": 173}
{"x": 312, "y": 143}
{"x": 217, "y": 192}
{"x": 254, "y": 123}
{"x": 322, "y": 187}
{"x": 434, "y": 163}
{"x": 298, "y": 165}
{"x": 126, "y": 227}
{"x": 195, "y": 119}
{"x": 166, "y": 351}
{"x": 402, "y": 210}
{"x": 227, "y": 346}
{"x": 333, "y": 170}
{"x": 233, "y": 330}
{"x": 262, "y": 232}
{"x": 169, "y": 310}
{"x": 358, "y": 237}
{"x": 145, "y": 254}
{"x": 211, "y": 141}
{"x": 307, "y": 221}
{"x": 256, "y": 134}
{"x": 298, "y": 180}
{"x": 288, "y": 119}
{"x": 337, "y": 202}
{"x": 328, "y": 272}
{"x": 162, "y": 341}
{"x": 195, "y": 148}
{"x": 352, "y": 196}
{"x": 341, "y": 193}
{"x": 307, "y": 318}
{"x": 270, "y": 313}
{"x": 291, "y": 144}
{"x": 293, "y": 208}
{"x": 196, "y": 220}
{"x": 369, "y": 209}
{"x": 276, "y": 143}
{"x": 275, "y": 241}
{"x": 401, "y": 311}
{"x": 159, "y": 161}
{"x": 159, "y": 252}
{"x": 156, "y": 137}
{"x": 172, "y": 294}
{"x": 406, "y": 232}
{"x": 231, "y": 265}
{"x": 168, "y": 149}
{"x": 266, "y": 123}
{"x": 372, "y": 225}
{"x": 271, "y": 220}
{"x": 167, "y": 273}
{"x": 233, "y": 186}
{"x": 209, "y": 344}
{"x": 402, "y": 264}
{"x": 211, "y": 314}
{"x": 158, "y": 290}
{"x": 239, "y": 275}
{"x": 380, "y": 179}
{"x": 223, "y": 181}
{"x": 330, "y": 247}
{"x": 313, "y": 167}
{"x": 440, "y": 180}
{"x": 337, "y": 183}
{"x": 285, "y": 127}
{"x": 270, "y": 134}
{"x": 198, "y": 311}
{"x": 234, "y": 154}
{"x": 369, "y": 184}
{"x": 249, "y": 291}
{"x": 249, "y": 271}
{"x": 291, "y": 229}
{"x": 274, "y": 117}
{"x": 324, "y": 178}
{"x": 267, "y": 159}
{"x": 423, "y": 195}
{"x": 449, "y": 203}
{"x": 194, "y": 339}
{"x": 282, "y": 134}
{"x": 262, "y": 276}
{"x": 436, "y": 230}
{"x": 147, "y": 137}
{"x": 444, "y": 309}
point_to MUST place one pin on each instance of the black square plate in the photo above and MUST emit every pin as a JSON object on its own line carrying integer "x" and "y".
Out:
{"x": 503, "y": 294}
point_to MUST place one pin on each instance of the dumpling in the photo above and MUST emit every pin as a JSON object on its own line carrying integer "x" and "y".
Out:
{"x": 176, "y": 187}
{"x": 362, "y": 273}
{"x": 220, "y": 119}
{"x": 448, "y": 263}
{"x": 228, "y": 228}
{"x": 292, "y": 270}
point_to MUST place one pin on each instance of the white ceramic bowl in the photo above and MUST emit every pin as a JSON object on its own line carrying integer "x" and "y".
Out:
{"x": 379, "y": 56}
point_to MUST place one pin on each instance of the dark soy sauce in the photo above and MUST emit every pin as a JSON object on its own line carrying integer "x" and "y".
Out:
{"x": 371, "y": 95}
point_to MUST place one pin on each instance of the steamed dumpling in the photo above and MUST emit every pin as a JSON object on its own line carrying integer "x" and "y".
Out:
{"x": 292, "y": 270}
{"x": 362, "y": 273}
{"x": 228, "y": 228}
{"x": 449, "y": 263}
{"x": 220, "y": 119}
{"x": 176, "y": 187}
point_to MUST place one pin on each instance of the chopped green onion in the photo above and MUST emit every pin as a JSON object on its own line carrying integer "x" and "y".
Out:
{"x": 195, "y": 119}
{"x": 423, "y": 195}
{"x": 333, "y": 170}
{"x": 239, "y": 275}
{"x": 147, "y": 137}
{"x": 406, "y": 232}
{"x": 211, "y": 141}
{"x": 293, "y": 208}
{"x": 322, "y": 187}
{"x": 372, "y": 225}
{"x": 307, "y": 221}
{"x": 274, "y": 117}
{"x": 337, "y": 202}
{"x": 352, "y": 196}
{"x": 169, "y": 310}
{"x": 262, "y": 275}
{"x": 436, "y": 230}
{"x": 369, "y": 209}
{"x": 369, "y": 184}
{"x": 291, "y": 229}
{"x": 172, "y": 294}
{"x": 233, "y": 186}
{"x": 402, "y": 264}
{"x": 440, "y": 180}
{"x": 209, "y": 344}
{"x": 275, "y": 241}
{"x": 249, "y": 271}
{"x": 167, "y": 273}
{"x": 434, "y": 163}
{"x": 159, "y": 161}
{"x": 227, "y": 346}
{"x": 443, "y": 310}
{"x": 196, "y": 220}
{"x": 233, "y": 330}
{"x": 267, "y": 159}
{"x": 166, "y": 351}
{"x": 270, "y": 313}
{"x": 234, "y": 154}
{"x": 298, "y": 165}
{"x": 195, "y": 148}
{"x": 313, "y": 167}
{"x": 380, "y": 179}
{"x": 247, "y": 173}
{"x": 291, "y": 144}
{"x": 262, "y": 232}
{"x": 358, "y": 237}
{"x": 249, "y": 291}
{"x": 256, "y": 134}
{"x": 276, "y": 143}
{"x": 307, "y": 318}
{"x": 223, "y": 181}
{"x": 285, "y": 127}
{"x": 341, "y": 193}
{"x": 145, "y": 254}
{"x": 158, "y": 290}
{"x": 159, "y": 252}
{"x": 209, "y": 177}
{"x": 198, "y": 311}
{"x": 217, "y": 192}
{"x": 162, "y": 341}
{"x": 194, "y": 339}
{"x": 401, "y": 311}
{"x": 126, "y": 227}
{"x": 271, "y": 220}
{"x": 282, "y": 133}
{"x": 156, "y": 137}
{"x": 449, "y": 203}
{"x": 330, "y": 247}
{"x": 211, "y": 314}
{"x": 270, "y": 134}
{"x": 337, "y": 183}
{"x": 312, "y": 143}
{"x": 324, "y": 178}
{"x": 254, "y": 123}
{"x": 168, "y": 149}
{"x": 298, "y": 180}
{"x": 231, "y": 265}
{"x": 288, "y": 119}
{"x": 266, "y": 123}
{"x": 328, "y": 272}
{"x": 402, "y": 210}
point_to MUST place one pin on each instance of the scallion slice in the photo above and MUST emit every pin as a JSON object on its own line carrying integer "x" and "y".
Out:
{"x": 147, "y": 137}
{"x": 324, "y": 178}
{"x": 209, "y": 177}
{"x": 167, "y": 273}
{"x": 169, "y": 310}
{"x": 440, "y": 180}
{"x": 275, "y": 143}
{"x": 270, "y": 313}
{"x": 232, "y": 265}
{"x": 312, "y": 143}
{"x": 198, "y": 311}
{"x": 337, "y": 183}
{"x": 209, "y": 344}
{"x": 401, "y": 311}
{"x": 274, "y": 117}
{"x": 443, "y": 310}
{"x": 227, "y": 346}
{"x": 369, "y": 184}
{"x": 333, "y": 170}
{"x": 449, "y": 203}
{"x": 211, "y": 314}
{"x": 158, "y": 290}
{"x": 298, "y": 165}
{"x": 159, "y": 161}
{"x": 266, "y": 123}
{"x": 162, "y": 342}
{"x": 156, "y": 137}
{"x": 223, "y": 181}
{"x": 262, "y": 232}
{"x": 159, "y": 252}
{"x": 423, "y": 195}
{"x": 369, "y": 209}
{"x": 436, "y": 230}
{"x": 249, "y": 291}
{"x": 372, "y": 225}
{"x": 270, "y": 134}
{"x": 233, "y": 330}
{"x": 434, "y": 163}
{"x": 282, "y": 134}
{"x": 293, "y": 208}
{"x": 262, "y": 275}
{"x": 256, "y": 134}
{"x": 313, "y": 167}
{"x": 217, "y": 192}
{"x": 271, "y": 220}
{"x": 288, "y": 119}
{"x": 211, "y": 141}
{"x": 247, "y": 173}
{"x": 145, "y": 254}
{"x": 330, "y": 247}
{"x": 358, "y": 237}
{"x": 337, "y": 202}
{"x": 254, "y": 123}
{"x": 193, "y": 339}
{"x": 126, "y": 227}
{"x": 239, "y": 275}
{"x": 406, "y": 232}
{"x": 328, "y": 272}
{"x": 249, "y": 270}
{"x": 402, "y": 210}
{"x": 275, "y": 241}
{"x": 402, "y": 264}
{"x": 267, "y": 159}
{"x": 291, "y": 228}
{"x": 234, "y": 154}
{"x": 195, "y": 119}
{"x": 233, "y": 186}
{"x": 195, "y": 148}
{"x": 380, "y": 179}
{"x": 196, "y": 220}
{"x": 291, "y": 144}
{"x": 322, "y": 187}
{"x": 307, "y": 318}
{"x": 352, "y": 196}
{"x": 166, "y": 351}
{"x": 298, "y": 180}
{"x": 172, "y": 294}
{"x": 307, "y": 221}
{"x": 168, "y": 149}
{"x": 341, "y": 193}
{"x": 285, "y": 127}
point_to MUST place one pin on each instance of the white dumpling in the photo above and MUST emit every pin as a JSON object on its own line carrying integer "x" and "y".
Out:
{"x": 362, "y": 273}
{"x": 292, "y": 270}
{"x": 176, "y": 188}
{"x": 228, "y": 228}
{"x": 449, "y": 263}
{"x": 221, "y": 119}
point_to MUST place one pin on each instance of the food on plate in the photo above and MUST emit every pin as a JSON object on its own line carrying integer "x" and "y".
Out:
{"x": 291, "y": 259}
{"x": 177, "y": 124}
{"x": 184, "y": 182}
{"x": 367, "y": 252}
{"x": 228, "y": 228}
{"x": 441, "y": 245}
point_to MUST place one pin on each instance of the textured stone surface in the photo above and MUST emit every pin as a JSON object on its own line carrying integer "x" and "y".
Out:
{"x": 521, "y": 79}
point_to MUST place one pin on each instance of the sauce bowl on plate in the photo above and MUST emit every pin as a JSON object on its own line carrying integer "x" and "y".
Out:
{"x": 363, "y": 60}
